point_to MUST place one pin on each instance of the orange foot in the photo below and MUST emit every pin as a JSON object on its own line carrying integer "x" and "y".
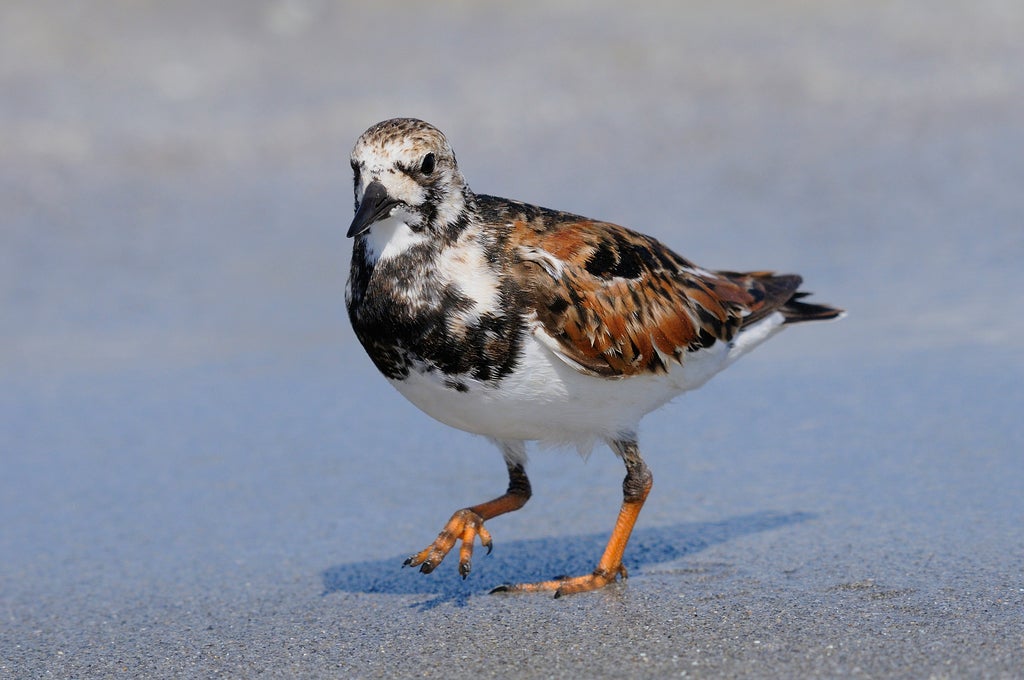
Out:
{"x": 567, "y": 585}
{"x": 465, "y": 525}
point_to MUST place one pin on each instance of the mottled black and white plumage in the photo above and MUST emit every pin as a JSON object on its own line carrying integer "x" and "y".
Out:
{"x": 522, "y": 323}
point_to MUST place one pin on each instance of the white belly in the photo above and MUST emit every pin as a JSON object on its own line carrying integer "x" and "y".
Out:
{"x": 547, "y": 400}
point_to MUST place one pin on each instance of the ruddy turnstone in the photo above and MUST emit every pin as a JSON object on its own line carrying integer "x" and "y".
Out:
{"x": 521, "y": 323}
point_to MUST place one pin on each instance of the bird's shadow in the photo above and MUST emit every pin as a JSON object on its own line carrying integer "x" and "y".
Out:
{"x": 544, "y": 558}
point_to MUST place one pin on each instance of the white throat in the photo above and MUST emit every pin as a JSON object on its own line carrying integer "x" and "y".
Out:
{"x": 391, "y": 237}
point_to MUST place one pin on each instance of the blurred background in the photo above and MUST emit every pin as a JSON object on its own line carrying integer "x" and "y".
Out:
{"x": 190, "y": 435}
{"x": 175, "y": 180}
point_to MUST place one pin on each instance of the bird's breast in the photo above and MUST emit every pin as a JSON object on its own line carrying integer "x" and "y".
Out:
{"x": 444, "y": 308}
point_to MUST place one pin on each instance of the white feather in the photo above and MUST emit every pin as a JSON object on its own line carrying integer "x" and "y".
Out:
{"x": 465, "y": 266}
{"x": 550, "y": 399}
{"x": 391, "y": 237}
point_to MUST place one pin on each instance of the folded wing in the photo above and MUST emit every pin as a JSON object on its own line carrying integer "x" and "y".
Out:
{"x": 616, "y": 303}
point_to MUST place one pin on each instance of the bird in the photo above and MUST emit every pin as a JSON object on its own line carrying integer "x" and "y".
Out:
{"x": 525, "y": 324}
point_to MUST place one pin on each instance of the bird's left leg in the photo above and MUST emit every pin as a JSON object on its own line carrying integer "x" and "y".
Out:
{"x": 468, "y": 523}
{"x": 635, "y": 488}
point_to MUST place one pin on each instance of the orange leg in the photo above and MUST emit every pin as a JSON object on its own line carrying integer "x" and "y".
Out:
{"x": 635, "y": 488}
{"x": 468, "y": 523}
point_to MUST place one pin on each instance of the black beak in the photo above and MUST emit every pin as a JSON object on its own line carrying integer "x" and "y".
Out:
{"x": 376, "y": 205}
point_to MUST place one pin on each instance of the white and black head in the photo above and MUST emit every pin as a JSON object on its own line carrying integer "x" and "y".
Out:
{"x": 407, "y": 186}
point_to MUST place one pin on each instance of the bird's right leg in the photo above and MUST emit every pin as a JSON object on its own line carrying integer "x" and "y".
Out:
{"x": 468, "y": 523}
{"x": 635, "y": 488}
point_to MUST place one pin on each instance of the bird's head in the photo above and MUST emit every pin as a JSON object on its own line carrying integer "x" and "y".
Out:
{"x": 405, "y": 174}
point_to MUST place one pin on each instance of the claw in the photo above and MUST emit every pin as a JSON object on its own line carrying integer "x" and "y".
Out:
{"x": 489, "y": 546}
{"x": 465, "y": 525}
{"x": 503, "y": 588}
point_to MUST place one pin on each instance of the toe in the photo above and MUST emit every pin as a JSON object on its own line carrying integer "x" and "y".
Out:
{"x": 564, "y": 585}
{"x": 466, "y": 557}
{"x": 465, "y": 525}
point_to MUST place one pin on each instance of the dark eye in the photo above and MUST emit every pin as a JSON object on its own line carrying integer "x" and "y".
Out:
{"x": 428, "y": 164}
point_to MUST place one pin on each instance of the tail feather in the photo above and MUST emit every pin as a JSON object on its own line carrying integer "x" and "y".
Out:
{"x": 795, "y": 310}
{"x": 780, "y": 293}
